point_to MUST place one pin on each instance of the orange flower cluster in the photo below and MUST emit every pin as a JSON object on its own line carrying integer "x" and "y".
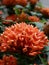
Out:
{"x": 33, "y": 19}
{"x": 45, "y": 11}
{"x": 14, "y": 2}
{"x": 33, "y": 1}
{"x": 9, "y": 2}
{"x": 23, "y": 16}
{"x": 12, "y": 17}
{"x": 8, "y": 60}
{"x": 20, "y": 2}
{"x": 23, "y": 38}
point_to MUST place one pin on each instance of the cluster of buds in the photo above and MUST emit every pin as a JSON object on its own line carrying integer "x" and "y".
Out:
{"x": 33, "y": 19}
{"x": 8, "y": 60}
{"x": 23, "y": 38}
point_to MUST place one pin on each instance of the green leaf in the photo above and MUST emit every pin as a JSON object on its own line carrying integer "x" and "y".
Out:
{"x": 1, "y": 26}
{"x": 36, "y": 14}
{"x": 43, "y": 20}
{"x": 46, "y": 49}
{"x": 17, "y": 10}
{"x": 28, "y": 6}
{"x": 43, "y": 60}
{"x": 19, "y": 7}
{"x": 38, "y": 25}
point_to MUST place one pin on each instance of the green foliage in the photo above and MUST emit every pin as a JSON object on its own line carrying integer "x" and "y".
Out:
{"x": 46, "y": 50}
{"x": 43, "y": 60}
{"x": 17, "y": 9}
{"x": 1, "y": 26}
{"x": 43, "y": 20}
{"x": 36, "y": 14}
{"x": 37, "y": 24}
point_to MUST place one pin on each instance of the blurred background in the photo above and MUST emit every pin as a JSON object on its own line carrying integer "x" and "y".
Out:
{"x": 45, "y": 3}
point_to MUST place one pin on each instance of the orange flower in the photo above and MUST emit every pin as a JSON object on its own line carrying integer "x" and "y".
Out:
{"x": 33, "y": 1}
{"x": 23, "y": 38}
{"x": 9, "y": 2}
{"x": 6, "y": 60}
{"x": 45, "y": 11}
{"x": 20, "y": 2}
{"x": 33, "y": 19}
{"x": 12, "y": 17}
{"x": 23, "y": 16}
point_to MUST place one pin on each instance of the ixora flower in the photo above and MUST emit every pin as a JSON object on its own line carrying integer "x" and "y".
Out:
{"x": 23, "y": 38}
{"x": 23, "y": 16}
{"x": 33, "y": 19}
{"x": 45, "y": 11}
{"x": 6, "y": 60}
{"x": 9, "y": 2}
{"x": 12, "y": 17}
{"x": 20, "y": 2}
{"x": 14, "y": 2}
{"x": 33, "y": 1}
